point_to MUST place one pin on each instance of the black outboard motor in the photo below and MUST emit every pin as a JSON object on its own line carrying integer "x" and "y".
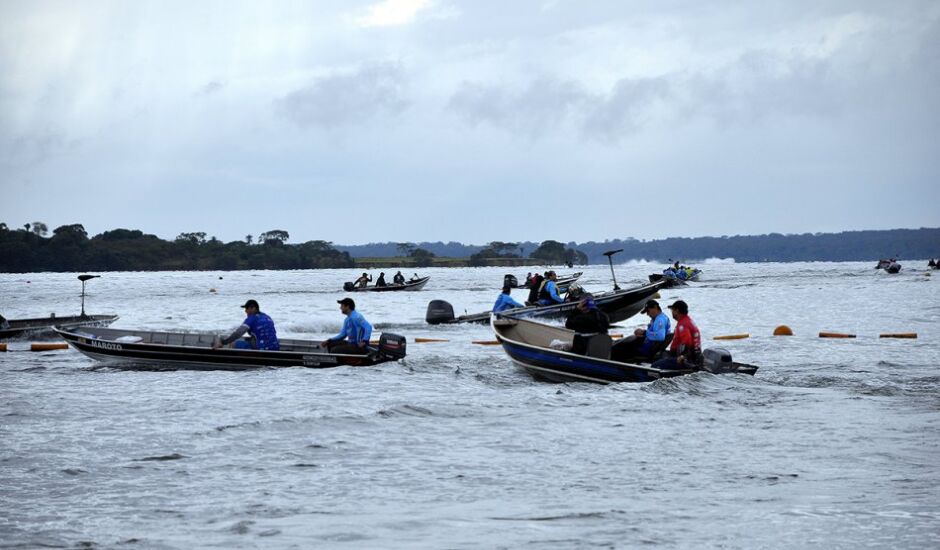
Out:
{"x": 439, "y": 312}
{"x": 348, "y": 286}
{"x": 717, "y": 360}
{"x": 392, "y": 345}
{"x": 511, "y": 281}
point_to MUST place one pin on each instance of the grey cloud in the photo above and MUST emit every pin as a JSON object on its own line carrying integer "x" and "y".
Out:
{"x": 347, "y": 98}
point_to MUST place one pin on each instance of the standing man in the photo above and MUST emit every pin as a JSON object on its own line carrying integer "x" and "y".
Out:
{"x": 505, "y": 301}
{"x": 258, "y": 325}
{"x": 354, "y": 338}
{"x": 686, "y": 349}
{"x": 548, "y": 294}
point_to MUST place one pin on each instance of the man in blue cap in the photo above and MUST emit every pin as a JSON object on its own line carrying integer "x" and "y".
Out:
{"x": 354, "y": 338}
{"x": 258, "y": 325}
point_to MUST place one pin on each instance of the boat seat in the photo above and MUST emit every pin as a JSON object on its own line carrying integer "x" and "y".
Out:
{"x": 592, "y": 345}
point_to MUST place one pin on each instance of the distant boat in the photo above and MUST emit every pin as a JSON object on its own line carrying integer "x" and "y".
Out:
{"x": 890, "y": 266}
{"x": 540, "y": 349}
{"x": 179, "y": 350}
{"x": 563, "y": 282}
{"x": 43, "y": 326}
{"x": 414, "y": 284}
{"x": 617, "y": 304}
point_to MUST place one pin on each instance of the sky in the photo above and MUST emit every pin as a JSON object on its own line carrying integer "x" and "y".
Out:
{"x": 472, "y": 121}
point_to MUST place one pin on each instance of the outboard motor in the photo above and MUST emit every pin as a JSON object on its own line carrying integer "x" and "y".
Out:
{"x": 439, "y": 312}
{"x": 392, "y": 345}
{"x": 717, "y": 360}
{"x": 511, "y": 281}
{"x": 348, "y": 286}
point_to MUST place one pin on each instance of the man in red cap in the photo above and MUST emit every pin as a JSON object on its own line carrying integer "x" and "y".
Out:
{"x": 685, "y": 352}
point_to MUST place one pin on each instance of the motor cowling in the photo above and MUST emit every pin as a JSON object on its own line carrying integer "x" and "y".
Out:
{"x": 439, "y": 311}
{"x": 348, "y": 286}
{"x": 717, "y": 360}
{"x": 393, "y": 345}
{"x": 510, "y": 280}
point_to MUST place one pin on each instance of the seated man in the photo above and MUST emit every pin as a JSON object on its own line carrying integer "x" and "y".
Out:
{"x": 354, "y": 338}
{"x": 587, "y": 321}
{"x": 645, "y": 343}
{"x": 258, "y": 325}
{"x": 505, "y": 301}
{"x": 381, "y": 280}
{"x": 548, "y": 294}
{"x": 686, "y": 349}
{"x": 363, "y": 281}
{"x": 398, "y": 279}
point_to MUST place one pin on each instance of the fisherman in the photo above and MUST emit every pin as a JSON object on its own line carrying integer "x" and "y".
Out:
{"x": 534, "y": 288}
{"x": 645, "y": 343}
{"x": 587, "y": 318}
{"x": 587, "y": 322}
{"x": 354, "y": 338}
{"x": 399, "y": 279}
{"x": 258, "y": 325}
{"x": 686, "y": 349}
{"x": 363, "y": 281}
{"x": 381, "y": 280}
{"x": 505, "y": 301}
{"x": 548, "y": 294}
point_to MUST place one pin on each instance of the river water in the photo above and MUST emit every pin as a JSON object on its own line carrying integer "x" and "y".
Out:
{"x": 833, "y": 444}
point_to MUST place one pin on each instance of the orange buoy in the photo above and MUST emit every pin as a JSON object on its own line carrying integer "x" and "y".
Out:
{"x": 898, "y": 335}
{"x": 429, "y": 340}
{"x": 732, "y": 337}
{"x": 3, "y": 347}
{"x": 486, "y": 342}
{"x": 835, "y": 335}
{"x": 47, "y": 347}
{"x": 783, "y": 330}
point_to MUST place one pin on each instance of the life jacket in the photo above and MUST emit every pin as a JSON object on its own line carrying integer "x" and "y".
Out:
{"x": 543, "y": 291}
{"x": 536, "y": 287}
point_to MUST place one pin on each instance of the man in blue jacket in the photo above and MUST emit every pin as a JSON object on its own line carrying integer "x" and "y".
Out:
{"x": 548, "y": 294}
{"x": 505, "y": 301}
{"x": 258, "y": 325}
{"x": 645, "y": 343}
{"x": 354, "y": 338}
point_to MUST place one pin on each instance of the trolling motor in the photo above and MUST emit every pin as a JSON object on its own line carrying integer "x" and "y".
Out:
{"x": 610, "y": 253}
{"x": 84, "y": 278}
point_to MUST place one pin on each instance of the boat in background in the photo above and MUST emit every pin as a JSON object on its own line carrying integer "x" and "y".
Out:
{"x": 542, "y": 350}
{"x": 563, "y": 282}
{"x": 890, "y": 266}
{"x": 39, "y": 327}
{"x": 183, "y": 350}
{"x": 414, "y": 284}
{"x": 618, "y": 305}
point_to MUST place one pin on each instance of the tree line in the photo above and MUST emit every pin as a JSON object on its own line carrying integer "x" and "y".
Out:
{"x": 69, "y": 248}
{"x": 31, "y": 248}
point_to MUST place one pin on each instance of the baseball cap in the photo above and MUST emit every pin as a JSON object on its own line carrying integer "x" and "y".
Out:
{"x": 347, "y": 302}
{"x": 649, "y": 304}
{"x": 681, "y": 306}
{"x": 250, "y": 303}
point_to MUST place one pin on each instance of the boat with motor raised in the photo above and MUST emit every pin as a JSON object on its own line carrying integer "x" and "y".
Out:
{"x": 186, "y": 350}
{"x": 617, "y": 304}
{"x": 543, "y": 351}
{"x": 42, "y": 327}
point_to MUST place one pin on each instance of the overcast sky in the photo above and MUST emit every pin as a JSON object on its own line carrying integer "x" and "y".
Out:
{"x": 413, "y": 120}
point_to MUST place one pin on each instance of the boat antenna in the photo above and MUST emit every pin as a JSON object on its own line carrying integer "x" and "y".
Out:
{"x": 610, "y": 253}
{"x": 84, "y": 278}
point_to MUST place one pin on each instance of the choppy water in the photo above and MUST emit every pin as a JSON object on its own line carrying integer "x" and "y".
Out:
{"x": 834, "y": 444}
